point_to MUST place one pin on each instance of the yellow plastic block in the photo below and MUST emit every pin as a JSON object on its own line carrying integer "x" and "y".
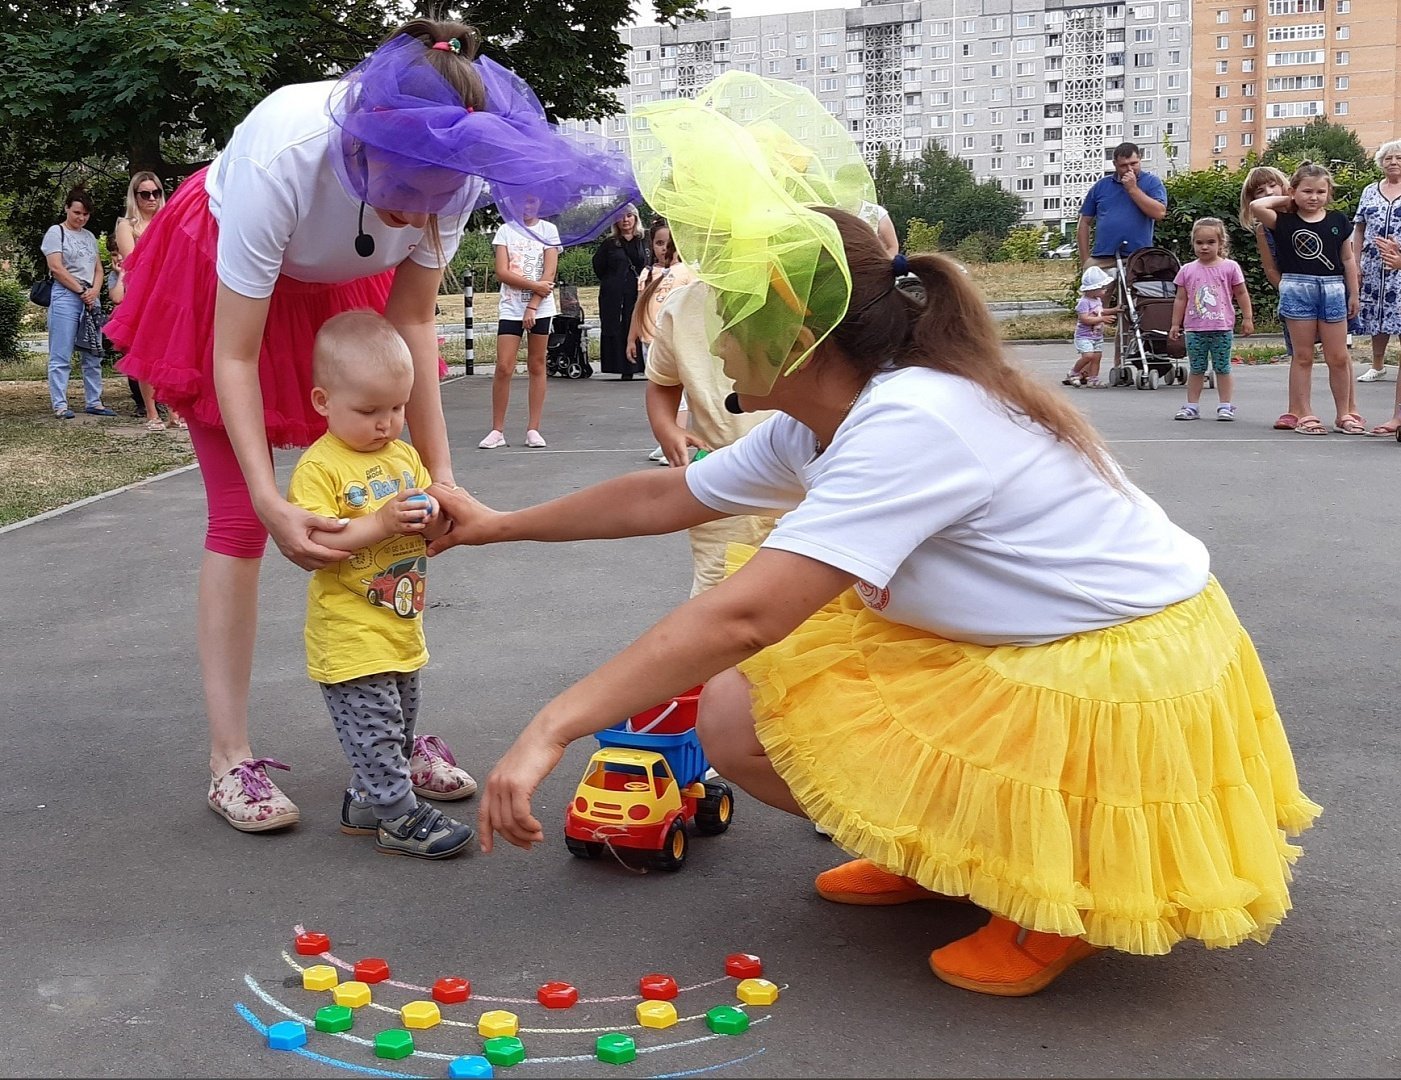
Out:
{"x": 421, "y": 1014}
{"x": 353, "y": 995}
{"x": 656, "y": 1014}
{"x": 756, "y": 992}
{"x": 498, "y": 1024}
{"x": 320, "y": 977}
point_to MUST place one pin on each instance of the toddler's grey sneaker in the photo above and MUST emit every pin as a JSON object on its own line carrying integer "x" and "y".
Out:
{"x": 358, "y": 815}
{"x": 427, "y": 833}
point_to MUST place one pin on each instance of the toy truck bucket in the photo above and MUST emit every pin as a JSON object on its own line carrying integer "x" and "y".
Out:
{"x": 668, "y": 729}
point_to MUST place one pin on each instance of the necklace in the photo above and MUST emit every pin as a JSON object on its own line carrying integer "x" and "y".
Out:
{"x": 817, "y": 446}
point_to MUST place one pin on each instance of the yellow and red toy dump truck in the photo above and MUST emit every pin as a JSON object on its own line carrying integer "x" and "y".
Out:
{"x": 644, "y": 786}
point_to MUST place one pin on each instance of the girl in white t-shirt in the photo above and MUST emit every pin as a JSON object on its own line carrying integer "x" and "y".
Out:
{"x": 329, "y": 196}
{"x": 527, "y": 256}
{"x": 931, "y": 655}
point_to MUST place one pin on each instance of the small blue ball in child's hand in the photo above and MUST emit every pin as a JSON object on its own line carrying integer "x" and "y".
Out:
{"x": 419, "y": 498}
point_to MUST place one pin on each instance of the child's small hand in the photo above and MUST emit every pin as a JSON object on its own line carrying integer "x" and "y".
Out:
{"x": 1247, "y": 327}
{"x": 407, "y": 513}
{"x": 1174, "y": 333}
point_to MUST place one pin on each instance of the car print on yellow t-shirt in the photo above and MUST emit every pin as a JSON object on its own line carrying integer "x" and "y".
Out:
{"x": 400, "y": 586}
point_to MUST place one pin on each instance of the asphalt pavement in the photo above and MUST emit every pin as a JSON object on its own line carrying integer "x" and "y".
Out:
{"x": 144, "y": 937}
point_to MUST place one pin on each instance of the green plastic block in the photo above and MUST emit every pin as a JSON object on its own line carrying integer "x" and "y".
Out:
{"x": 394, "y": 1043}
{"x": 727, "y": 1020}
{"x": 504, "y": 1050}
{"x": 615, "y": 1048}
{"x": 334, "y": 1018}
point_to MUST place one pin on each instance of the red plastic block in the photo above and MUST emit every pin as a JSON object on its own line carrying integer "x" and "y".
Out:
{"x": 743, "y": 965}
{"x": 557, "y": 995}
{"x": 312, "y": 943}
{"x": 451, "y": 990}
{"x": 372, "y": 970}
{"x": 657, "y": 987}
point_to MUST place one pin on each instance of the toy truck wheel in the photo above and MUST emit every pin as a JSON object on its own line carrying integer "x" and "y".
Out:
{"x": 583, "y": 849}
{"x": 674, "y": 848}
{"x": 716, "y": 810}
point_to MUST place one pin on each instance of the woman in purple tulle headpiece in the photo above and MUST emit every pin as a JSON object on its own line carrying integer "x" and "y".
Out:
{"x": 329, "y": 196}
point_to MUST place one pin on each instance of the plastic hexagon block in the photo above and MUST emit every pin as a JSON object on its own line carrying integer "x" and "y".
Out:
{"x": 743, "y": 965}
{"x": 334, "y": 1018}
{"x": 353, "y": 995}
{"x": 727, "y": 1020}
{"x": 615, "y": 1048}
{"x": 657, "y": 987}
{"x": 312, "y": 943}
{"x": 468, "y": 1066}
{"x": 320, "y": 977}
{"x": 286, "y": 1035}
{"x": 371, "y": 970}
{"x": 757, "y": 992}
{"x": 451, "y": 990}
{"x": 504, "y": 1050}
{"x": 656, "y": 1014}
{"x": 498, "y": 1024}
{"x": 557, "y": 995}
{"x": 421, "y": 1014}
{"x": 393, "y": 1043}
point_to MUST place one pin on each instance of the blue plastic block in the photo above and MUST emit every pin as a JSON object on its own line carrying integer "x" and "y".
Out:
{"x": 286, "y": 1035}
{"x": 469, "y": 1066}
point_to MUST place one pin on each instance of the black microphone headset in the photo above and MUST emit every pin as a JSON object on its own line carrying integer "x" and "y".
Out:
{"x": 364, "y": 242}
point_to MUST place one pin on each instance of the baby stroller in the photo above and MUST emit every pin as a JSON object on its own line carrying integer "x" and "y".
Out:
{"x": 1143, "y": 354}
{"x": 567, "y": 350}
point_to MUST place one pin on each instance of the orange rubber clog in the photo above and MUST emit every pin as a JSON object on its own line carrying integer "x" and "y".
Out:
{"x": 1004, "y": 960}
{"x": 863, "y": 882}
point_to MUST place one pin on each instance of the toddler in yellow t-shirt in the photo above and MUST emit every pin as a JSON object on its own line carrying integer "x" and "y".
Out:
{"x": 364, "y": 615}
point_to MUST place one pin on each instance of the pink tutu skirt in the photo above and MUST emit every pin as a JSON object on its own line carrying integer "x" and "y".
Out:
{"x": 165, "y": 324}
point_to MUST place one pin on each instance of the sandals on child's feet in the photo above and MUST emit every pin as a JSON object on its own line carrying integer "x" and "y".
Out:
{"x": 1351, "y": 424}
{"x": 1309, "y": 425}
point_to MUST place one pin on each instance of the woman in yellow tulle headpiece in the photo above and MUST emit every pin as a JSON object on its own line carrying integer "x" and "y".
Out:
{"x": 930, "y": 656}
{"x": 736, "y": 172}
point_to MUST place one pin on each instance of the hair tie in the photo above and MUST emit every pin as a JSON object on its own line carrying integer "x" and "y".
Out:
{"x": 900, "y": 264}
{"x": 451, "y": 45}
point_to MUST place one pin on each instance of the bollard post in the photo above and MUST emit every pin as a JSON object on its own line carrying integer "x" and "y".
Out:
{"x": 467, "y": 316}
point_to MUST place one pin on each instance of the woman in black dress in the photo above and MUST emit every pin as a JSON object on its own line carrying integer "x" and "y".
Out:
{"x": 617, "y": 261}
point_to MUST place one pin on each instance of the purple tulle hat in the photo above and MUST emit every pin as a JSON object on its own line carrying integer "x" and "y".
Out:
{"x": 407, "y": 143}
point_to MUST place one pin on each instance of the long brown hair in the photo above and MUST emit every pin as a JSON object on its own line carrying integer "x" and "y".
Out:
{"x": 952, "y": 331}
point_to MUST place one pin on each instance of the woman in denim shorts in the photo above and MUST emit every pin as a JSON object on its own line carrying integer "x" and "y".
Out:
{"x": 1317, "y": 295}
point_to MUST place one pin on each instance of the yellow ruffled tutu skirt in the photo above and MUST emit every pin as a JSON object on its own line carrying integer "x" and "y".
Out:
{"x": 1130, "y": 786}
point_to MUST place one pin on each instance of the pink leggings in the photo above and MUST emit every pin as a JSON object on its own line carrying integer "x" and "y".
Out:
{"x": 234, "y": 528}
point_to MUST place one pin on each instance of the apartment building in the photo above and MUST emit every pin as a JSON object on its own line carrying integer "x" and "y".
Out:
{"x": 1033, "y": 93}
{"x": 1264, "y": 66}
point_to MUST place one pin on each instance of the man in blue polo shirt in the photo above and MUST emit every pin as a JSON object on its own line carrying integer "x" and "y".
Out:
{"x": 1122, "y": 207}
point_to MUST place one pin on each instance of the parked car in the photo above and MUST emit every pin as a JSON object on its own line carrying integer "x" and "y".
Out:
{"x": 1061, "y": 251}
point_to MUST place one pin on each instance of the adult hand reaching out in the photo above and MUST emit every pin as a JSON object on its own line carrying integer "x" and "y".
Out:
{"x": 505, "y": 806}
{"x": 469, "y": 518}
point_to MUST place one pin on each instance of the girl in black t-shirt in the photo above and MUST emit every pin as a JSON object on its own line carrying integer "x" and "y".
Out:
{"x": 1317, "y": 294}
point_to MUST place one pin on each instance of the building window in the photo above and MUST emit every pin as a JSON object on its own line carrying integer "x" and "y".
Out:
{"x": 1297, "y": 32}
{"x": 1247, "y": 138}
{"x": 997, "y": 117}
{"x": 1340, "y": 108}
{"x": 800, "y": 41}
{"x": 995, "y": 164}
{"x": 1340, "y": 82}
{"x": 642, "y": 78}
{"x": 1026, "y": 68}
{"x": 1223, "y": 67}
{"x": 966, "y": 73}
{"x": 1247, "y": 114}
{"x": 1247, "y": 89}
{"x": 1344, "y": 6}
{"x": 1220, "y": 144}
{"x": 1023, "y": 116}
{"x": 1026, "y": 138}
{"x": 773, "y": 66}
{"x": 1223, "y": 16}
{"x": 833, "y": 107}
{"x": 998, "y": 48}
{"x": 772, "y": 43}
{"x": 940, "y": 97}
{"x": 1027, "y": 45}
{"x": 1248, "y": 64}
{"x": 827, "y": 63}
{"x": 997, "y": 71}
{"x": 966, "y": 49}
{"x": 966, "y": 142}
{"x": 1173, "y": 82}
{"x": 1220, "y": 116}
{"x": 826, "y": 85}
{"x": 1247, "y": 15}
{"x": 800, "y": 63}
{"x": 1050, "y": 204}
{"x": 1341, "y": 58}
{"x": 1026, "y": 183}
{"x": 1143, "y": 60}
{"x": 1175, "y": 57}
{"x": 1343, "y": 33}
{"x": 1026, "y": 22}
{"x": 1222, "y": 92}
{"x": 1174, "y": 105}
{"x": 969, "y": 26}
{"x": 1026, "y": 161}
{"x": 940, "y": 52}
{"x": 941, "y": 28}
{"x": 827, "y": 39}
{"x": 1143, "y": 35}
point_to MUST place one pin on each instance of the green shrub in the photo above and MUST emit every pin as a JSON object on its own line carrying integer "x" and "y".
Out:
{"x": 921, "y": 237}
{"x": 1022, "y": 245}
{"x": 976, "y": 247}
{"x": 576, "y": 266}
{"x": 13, "y": 301}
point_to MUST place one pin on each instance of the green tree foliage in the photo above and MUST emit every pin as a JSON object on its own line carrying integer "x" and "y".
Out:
{"x": 91, "y": 90}
{"x": 1022, "y": 245}
{"x": 1322, "y": 142}
{"x": 922, "y": 237}
{"x": 1216, "y": 193}
{"x": 13, "y": 302}
{"x": 939, "y": 189}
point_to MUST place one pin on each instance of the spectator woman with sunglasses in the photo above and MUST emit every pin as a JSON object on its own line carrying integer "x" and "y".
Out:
{"x": 328, "y": 197}
{"x": 145, "y": 195}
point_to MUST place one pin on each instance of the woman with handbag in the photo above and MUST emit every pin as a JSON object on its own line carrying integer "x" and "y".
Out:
{"x": 76, "y": 283}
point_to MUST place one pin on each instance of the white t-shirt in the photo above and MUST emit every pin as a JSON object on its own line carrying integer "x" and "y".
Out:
{"x": 958, "y": 518}
{"x": 873, "y": 214}
{"x": 282, "y": 210}
{"x": 525, "y": 255}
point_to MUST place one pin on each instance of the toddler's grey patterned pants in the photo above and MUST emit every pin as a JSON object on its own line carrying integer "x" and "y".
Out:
{"x": 374, "y": 717}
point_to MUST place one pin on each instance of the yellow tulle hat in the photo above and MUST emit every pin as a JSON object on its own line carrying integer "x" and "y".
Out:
{"x": 734, "y": 172}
